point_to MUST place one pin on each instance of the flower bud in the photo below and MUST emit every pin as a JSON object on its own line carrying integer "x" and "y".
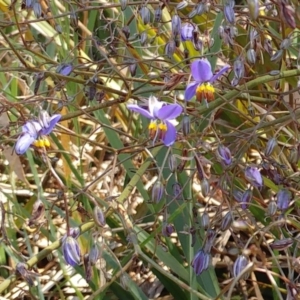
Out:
{"x": 132, "y": 69}
{"x": 285, "y": 44}
{"x": 239, "y": 265}
{"x": 253, "y": 6}
{"x": 64, "y": 69}
{"x": 99, "y": 217}
{"x": 192, "y": 14}
{"x": 22, "y": 270}
{"x": 201, "y": 262}
{"x": 251, "y": 110}
{"x": 272, "y": 208}
{"x": 176, "y": 25}
{"x": 177, "y": 190}
{"x": 246, "y": 198}
{"x": 226, "y": 221}
{"x": 71, "y": 251}
{"x": 253, "y": 175}
{"x": 200, "y": 9}
{"x": 293, "y": 156}
{"x": 167, "y": 229}
{"x": 224, "y": 155}
{"x": 205, "y": 187}
{"x": 123, "y": 4}
{"x": 283, "y": 199}
{"x": 210, "y": 239}
{"x": 37, "y": 9}
{"x": 172, "y": 163}
{"x": 94, "y": 254}
{"x": 270, "y": 146}
{"x": 158, "y": 191}
{"x": 157, "y": 14}
{"x": 237, "y": 195}
{"x": 251, "y": 56}
{"x": 229, "y": 12}
{"x": 282, "y": 244}
{"x": 277, "y": 56}
{"x": 170, "y": 48}
{"x": 144, "y": 38}
{"x": 238, "y": 69}
{"x": 186, "y": 125}
{"x": 181, "y": 5}
{"x": 187, "y": 30}
{"x": 145, "y": 15}
{"x": 204, "y": 220}
{"x": 37, "y": 213}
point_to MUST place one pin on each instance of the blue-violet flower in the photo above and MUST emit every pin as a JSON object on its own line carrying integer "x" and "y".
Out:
{"x": 71, "y": 251}
{"x": 202, "y": 86}
{"x": 162, "y": 116}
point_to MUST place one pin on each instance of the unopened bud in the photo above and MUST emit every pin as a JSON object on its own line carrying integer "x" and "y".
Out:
{"x": 186, "y": 125}
{"x": 176, "y": 25}
{"x": 277, "y": 56}
{"x": 253, "y": 6}
{"x": 238, "y": 69}
{"x": 172, "y": 163}
{"x": 71, "y": 251}
{"x": 253, "y": 175}
{"x": 144, "y": 38}
{"x": 226, "y": 221}
{"x": 246, "y": 198}
{"x": 94, "y": 254}
{"x": 64, "y": 69}
{"x": 201, "y": 262}
{"x": 38, "y": 212}
{"x": 167, "y": 229}
{"x": 229, "y": 13}
{"x": 205, "y": 187}
{"x": 282, "y": 244}
{"x": 145, "y": 15}
{"x": 272, "y": 208}
{"x": 270, "y": 146}
{"x": 126, "y": 31}
{"x": 182, "y": 5}
{"x": 224, "y": 155}
{"x": 283, "y": 199}
{"x": 200, "y": 9}
{"x": 170, "y": 48}
{"x": 157, "y": 15}
{"x": 285, "y": 44}
{"x": 99, "y": 217}
{"x": 239, "y": 265}
{"x": 251, "y": 56}
{"x": 204, "y": 221}
{"x": 158, "y": 191}
{"x": 123, "y": 4}
{"x": 192, "y": 14}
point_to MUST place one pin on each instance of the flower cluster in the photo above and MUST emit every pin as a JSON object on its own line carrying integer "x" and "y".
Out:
{"x": 162, "y": 116}
{"x": 34, "y": 130}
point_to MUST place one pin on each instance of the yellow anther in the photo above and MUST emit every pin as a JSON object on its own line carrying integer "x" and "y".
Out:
{"x": 205, "y": 91}
{"x": 163, "y": 127}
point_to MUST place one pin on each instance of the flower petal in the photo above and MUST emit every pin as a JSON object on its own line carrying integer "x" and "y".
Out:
{"x": 201, "y": 70}
{"x": 23, "y": 143}
{"x": 33, "y": 128}
{"x": 138, "y": 109}
{"x": 154, "y": 106}
{"x": 190, "y": 90}
{"x": 220, "y": 73}
{"x": 170, "y": 135}
{"x": 169, "y": 112}
{"x": 52, "y": 122}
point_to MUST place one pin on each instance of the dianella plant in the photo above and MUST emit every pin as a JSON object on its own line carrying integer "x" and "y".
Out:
{"x": 149, "y": 149}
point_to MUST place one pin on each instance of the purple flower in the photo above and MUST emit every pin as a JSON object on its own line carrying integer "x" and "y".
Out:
{"x": 201, "y": 262}
{"x": 32, "y": 130}
{"x": 187, "y": 31}
{"x": 203, "y": 76}
{"x": 253, "y": 175}
{"x": 162, "y": 117}
{"x": 71, "y": 251}
{"x": 224, "y": 155}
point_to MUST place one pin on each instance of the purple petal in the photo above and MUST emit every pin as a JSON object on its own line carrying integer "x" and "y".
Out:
{"x": 220, "y": 73}
{"x": 169, "y": 112}
{"x": 201, "y": 70}
{"x": 154, "y": 106}
{"x": 33, "y": 128}
{"x": 140, "y": 110}
{"x": 71, "y": 251}
{"x": 23, "y": 143}
{"x": 53, "y": 121}
{"x": 170, "y": 135}
{"x": 190, "y": 90}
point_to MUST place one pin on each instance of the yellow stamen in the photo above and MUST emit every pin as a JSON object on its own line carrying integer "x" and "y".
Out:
{"x": 42, "y": 143}
{"x": 205, "y": 91}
